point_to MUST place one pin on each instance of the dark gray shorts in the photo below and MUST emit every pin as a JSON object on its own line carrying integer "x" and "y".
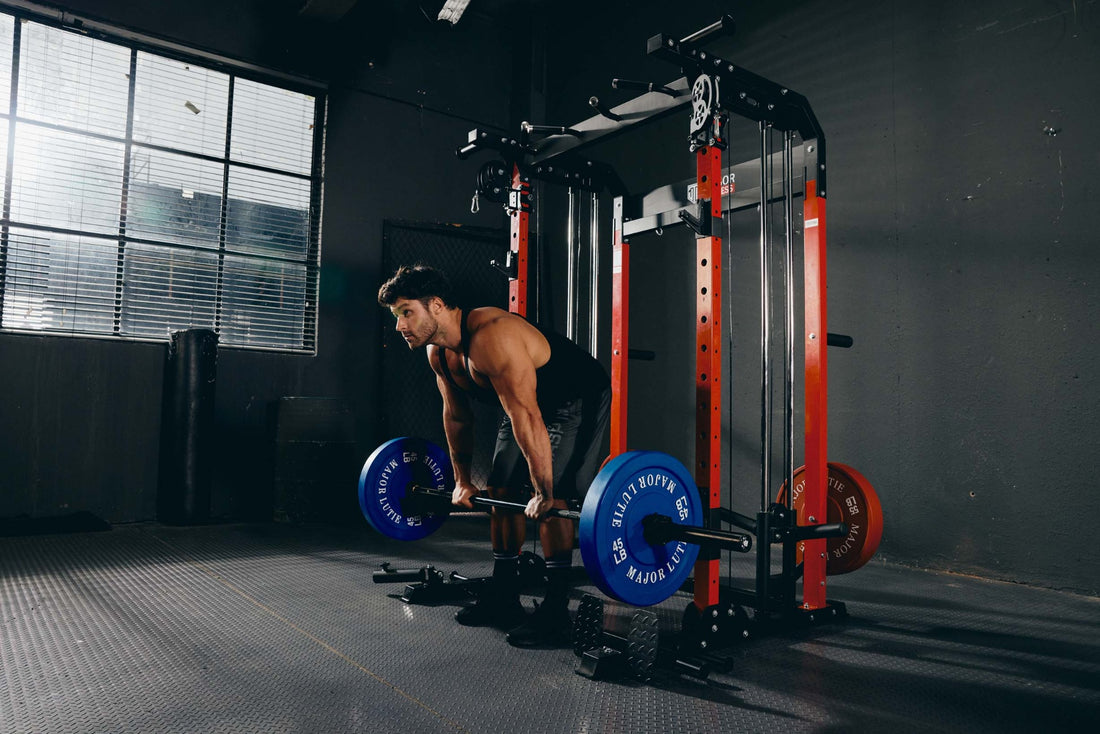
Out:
{"x": 576, "y": 431}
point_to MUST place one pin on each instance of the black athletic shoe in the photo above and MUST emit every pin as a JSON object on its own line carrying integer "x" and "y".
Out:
{"x": 549, "y": 626}
{"x": 492, "y": 611}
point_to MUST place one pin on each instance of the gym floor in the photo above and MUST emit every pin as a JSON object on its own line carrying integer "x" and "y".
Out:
{"x": 275, "y": 628}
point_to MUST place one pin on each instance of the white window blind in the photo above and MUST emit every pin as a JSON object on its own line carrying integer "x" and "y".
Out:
{"x": 144, "y": 193}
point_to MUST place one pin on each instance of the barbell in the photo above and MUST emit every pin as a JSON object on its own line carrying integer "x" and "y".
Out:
{"x": 640, "y": 525}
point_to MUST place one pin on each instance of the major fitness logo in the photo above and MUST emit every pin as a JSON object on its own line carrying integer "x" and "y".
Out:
{"x": 728, "y": 187}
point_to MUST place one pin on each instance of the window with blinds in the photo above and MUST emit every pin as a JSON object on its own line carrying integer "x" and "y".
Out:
{"x": 143, "y": 194}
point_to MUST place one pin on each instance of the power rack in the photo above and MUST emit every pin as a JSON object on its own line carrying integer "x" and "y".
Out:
{"x": 716, "y": 88}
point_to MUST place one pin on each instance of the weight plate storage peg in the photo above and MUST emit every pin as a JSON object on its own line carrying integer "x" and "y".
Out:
{"x": 614, "y": 549}
{"x": 852, "y": 500}
{"x": 386, "y": 477}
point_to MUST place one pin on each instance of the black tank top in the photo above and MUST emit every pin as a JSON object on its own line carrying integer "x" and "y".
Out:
{"x": 570, "y": 372}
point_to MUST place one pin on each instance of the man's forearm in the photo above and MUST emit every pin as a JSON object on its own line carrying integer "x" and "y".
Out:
{"x": 460, "y": 442}
{"x": 534, "y": 442}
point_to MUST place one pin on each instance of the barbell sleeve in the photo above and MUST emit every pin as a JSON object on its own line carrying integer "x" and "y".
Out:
{"x": 660, "y": 529}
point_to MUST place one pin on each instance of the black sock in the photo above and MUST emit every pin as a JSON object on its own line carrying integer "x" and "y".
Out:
{"x": 506, "y": 574}
{"x": 558, "y": 571}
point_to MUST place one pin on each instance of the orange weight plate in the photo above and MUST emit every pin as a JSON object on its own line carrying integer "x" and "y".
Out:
{"x": 851, "y": 500}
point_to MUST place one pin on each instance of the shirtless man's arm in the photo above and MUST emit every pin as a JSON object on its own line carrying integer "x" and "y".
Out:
{"x": 458, "y": 425}
{"x": 501, "y": 350}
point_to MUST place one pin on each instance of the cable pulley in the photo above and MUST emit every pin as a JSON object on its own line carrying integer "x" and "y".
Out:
{"x": 493, "y": 181}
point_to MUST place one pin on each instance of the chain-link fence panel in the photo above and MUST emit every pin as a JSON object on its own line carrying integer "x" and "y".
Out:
{"x": 410, "y": 399}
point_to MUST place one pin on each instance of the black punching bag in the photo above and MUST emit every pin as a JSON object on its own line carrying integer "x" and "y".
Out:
{"x": 187, "y": 428}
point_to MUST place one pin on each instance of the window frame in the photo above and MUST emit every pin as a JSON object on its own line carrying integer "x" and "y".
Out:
{"x": 236, "y": 70}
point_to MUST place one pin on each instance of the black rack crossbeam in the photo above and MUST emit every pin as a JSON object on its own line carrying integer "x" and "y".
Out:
{"x": 569, "y": 171}
{"x": 586, "y": 175}
{"x": 661, "y": 207}
{"x": 749, "y": 95}
{"x": 644, "y": 108}
{"x": 479, "y": 140}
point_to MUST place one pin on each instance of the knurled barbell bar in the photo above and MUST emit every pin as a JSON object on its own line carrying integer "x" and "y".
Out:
{"x": 658, "y": 529}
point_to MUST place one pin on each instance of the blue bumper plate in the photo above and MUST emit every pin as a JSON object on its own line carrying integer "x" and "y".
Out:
{"x": 389, "y": 472}
{"x": 616, "y": 555}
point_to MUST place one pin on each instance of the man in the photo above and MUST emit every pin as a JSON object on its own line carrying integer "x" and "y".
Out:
{"x": 556, "y": 400}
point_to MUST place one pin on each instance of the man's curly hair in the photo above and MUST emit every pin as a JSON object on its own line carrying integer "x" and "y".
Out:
{"x": 416, "y": 282}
